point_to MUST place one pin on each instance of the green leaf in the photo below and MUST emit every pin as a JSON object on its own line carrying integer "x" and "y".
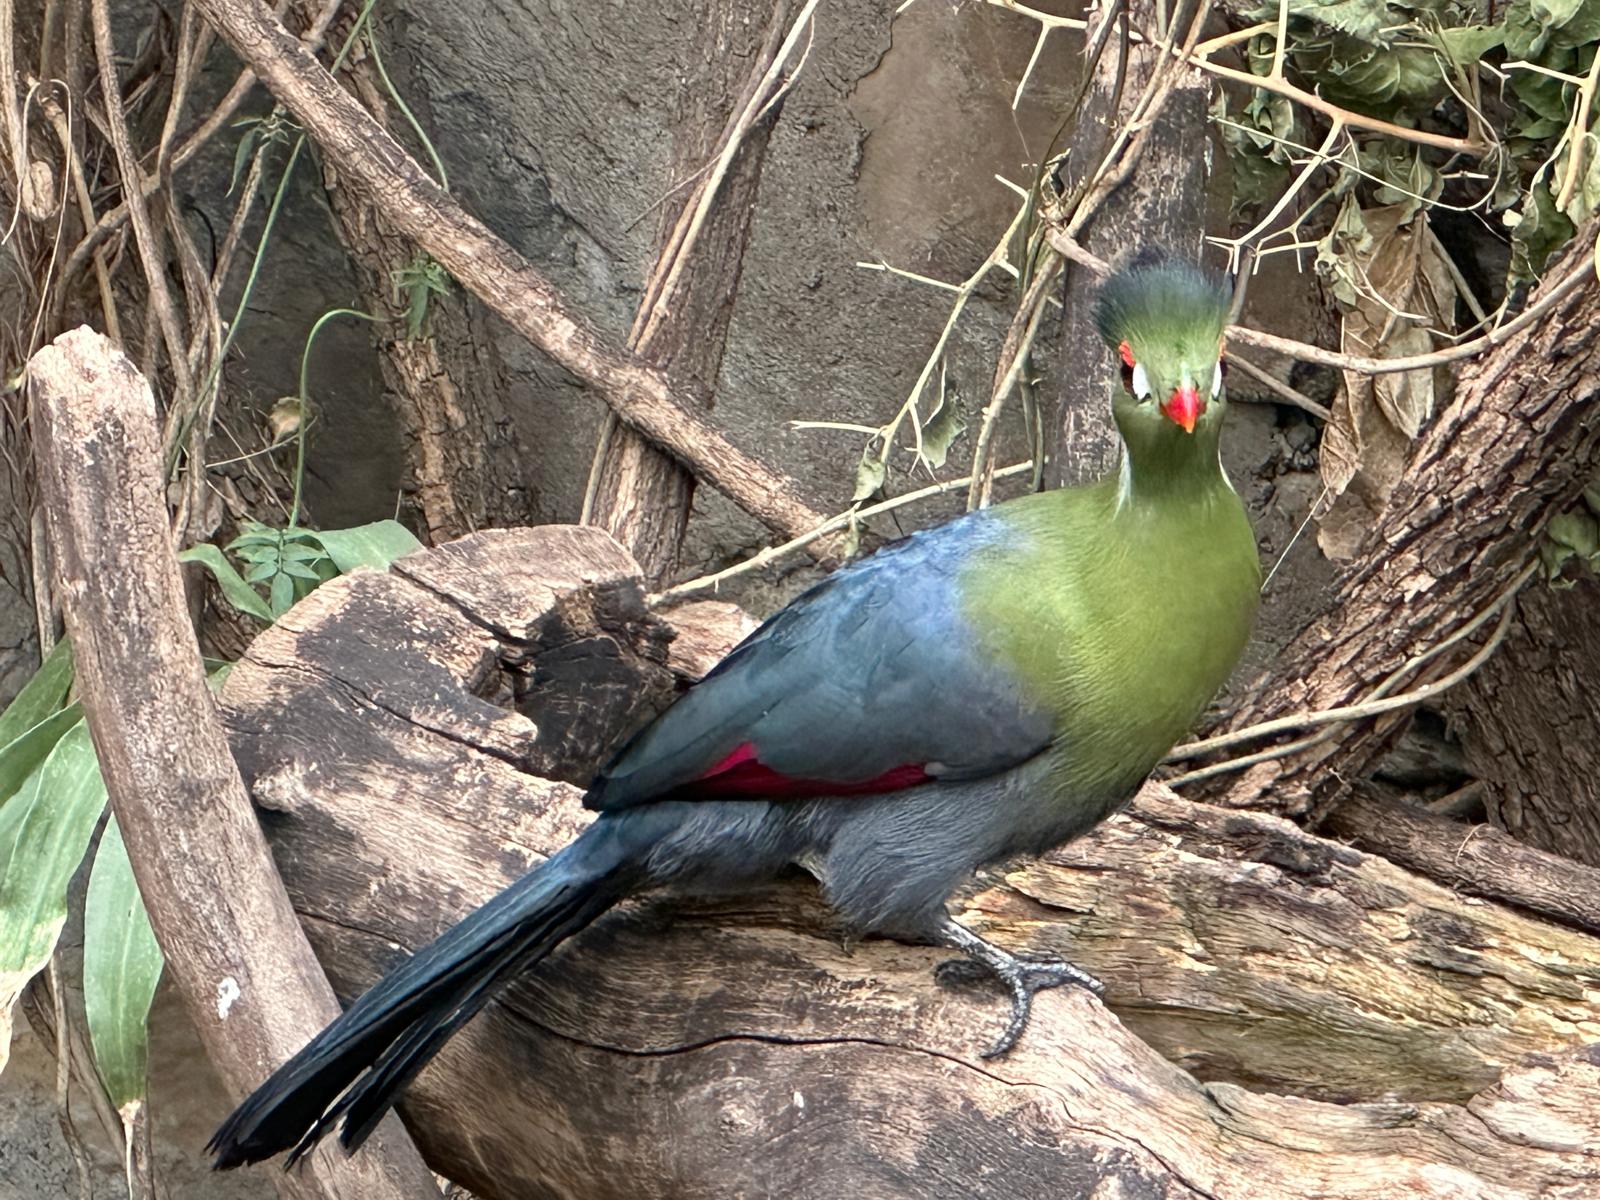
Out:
{"x": 375, "y": 545}
{"x": 44, "y": 832}
{"x": 261, "y": 571}
{"x": 1577, "y": 531}
{"x": 234, "y": 589}
{"x": 21, "y": 756}
{"x": 302, "y": 551}
{"x": 1365, "y": 19}
{"x": 41, "y": 696}
{"x": 280, "y": 596}
{"x": 1464, "y": 45}
{"x": 1537, "y": 232}
{"x": 121, "y": 966}
{"x": 1570, "y": 22}
{"x": 241, "y": 156}
{"x": 300, "y": 570}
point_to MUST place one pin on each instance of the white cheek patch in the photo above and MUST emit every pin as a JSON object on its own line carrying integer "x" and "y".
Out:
{"x": 1216, "y": 379}
{"x": 1140, "y": 382}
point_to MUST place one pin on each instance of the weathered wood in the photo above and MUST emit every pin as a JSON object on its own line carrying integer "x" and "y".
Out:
{"x": 642, "y": 498}
{"x": 248, "y": 978}
{"x": 737, "y": 1048}
{"x": 1477, "y": 859}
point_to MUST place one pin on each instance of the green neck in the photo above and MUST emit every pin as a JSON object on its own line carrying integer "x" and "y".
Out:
{"x": 1161, "y": 462}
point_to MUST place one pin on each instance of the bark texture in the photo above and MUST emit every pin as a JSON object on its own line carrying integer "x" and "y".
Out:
{"x": 466, "y": 464}
{"x": 503, "y": 279}
{"x": 1528, "y": 722}
{"x": 402, "y": 734}
{"x": 1161, "y": 207}
{"x": 1516, "y": 447}
{"x": 224, "y": 922}
{"x": 642, "y": 496}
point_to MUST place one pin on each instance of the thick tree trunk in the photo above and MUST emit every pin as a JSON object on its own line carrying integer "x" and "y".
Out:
{"x": 1515, "y": 448}
{"x": 503, "y": 279}
{"x": 464, "y": 454}
{"x": 395, "y": 729}
{"x": 1530, "y": 722}
{"x": 1161, "y": 208}
{"x": 642, "y": 497}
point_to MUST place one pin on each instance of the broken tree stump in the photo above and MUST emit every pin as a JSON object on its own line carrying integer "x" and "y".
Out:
{"x": 1315, "y": 1021}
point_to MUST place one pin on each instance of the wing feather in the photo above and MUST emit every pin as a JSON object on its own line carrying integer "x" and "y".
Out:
{"x": 871, "y": 681}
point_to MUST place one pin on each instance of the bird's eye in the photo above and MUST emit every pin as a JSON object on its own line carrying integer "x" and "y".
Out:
{"x": 1217, "y": 376}
{"x": 1139, "y": 382}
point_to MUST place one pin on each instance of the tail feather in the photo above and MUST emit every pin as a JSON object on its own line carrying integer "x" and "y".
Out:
{"x": 365, "y": 1103}
{"x": 356, "y": 1067}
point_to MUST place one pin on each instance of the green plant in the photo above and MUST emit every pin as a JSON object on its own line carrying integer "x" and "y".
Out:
{"x": 288, "y": 564}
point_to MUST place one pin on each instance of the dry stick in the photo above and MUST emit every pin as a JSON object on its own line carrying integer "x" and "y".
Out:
{"x": 231, "y": 939}
{"x": 74, "y": 163}
{"x": 193, "y": 144}
{"x": 1477, "y": 859}
{"x": 1355, "y": 120}
{"x": 767, "y": 92}
{"x": 1115, "y": 168}
{"x": 1024, "y": 325}
{"x": 661, "y": 286}
{"x": 1578, "y": 135}
{"x": 144, "y": 233}
{"x": 1374, "y": 705}
{"x": 1245, "y": 336}
{"x": 1278, "y": 387}
{"x": 838, "y": 521}
{"x": 505, "y": 281}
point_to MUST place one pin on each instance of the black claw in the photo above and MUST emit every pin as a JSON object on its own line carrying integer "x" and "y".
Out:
{"x": 1020, "y": 975}
{"x": 1035, "y": 975}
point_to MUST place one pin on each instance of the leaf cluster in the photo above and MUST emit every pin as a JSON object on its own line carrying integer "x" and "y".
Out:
{"x": 283, "y": 566}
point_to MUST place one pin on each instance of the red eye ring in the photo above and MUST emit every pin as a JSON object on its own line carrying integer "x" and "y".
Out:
{"x": 1125, "y": 353}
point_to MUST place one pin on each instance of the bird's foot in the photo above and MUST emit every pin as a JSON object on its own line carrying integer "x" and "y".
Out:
{"x": 1021, "y": 976}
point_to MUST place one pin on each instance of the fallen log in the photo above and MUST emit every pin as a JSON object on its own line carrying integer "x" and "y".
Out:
{"x": 1285, "y": 1017}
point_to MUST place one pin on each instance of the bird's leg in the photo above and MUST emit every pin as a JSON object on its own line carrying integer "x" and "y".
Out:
{"x": 1022, "y": 976}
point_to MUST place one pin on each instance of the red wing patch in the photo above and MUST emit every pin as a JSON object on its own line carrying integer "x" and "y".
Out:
{"x": 741, "y": 774}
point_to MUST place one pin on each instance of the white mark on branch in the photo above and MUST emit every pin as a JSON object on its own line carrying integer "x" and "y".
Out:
{"x": 799, "y": 1101}
{"x": 227, "y": 993}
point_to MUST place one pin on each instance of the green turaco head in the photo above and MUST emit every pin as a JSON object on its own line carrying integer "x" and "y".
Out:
{"x": 1165, "y": 322}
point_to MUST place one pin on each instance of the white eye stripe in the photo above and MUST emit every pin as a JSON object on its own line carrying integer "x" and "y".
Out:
{"x": 1216, "y": 379}
{"x": 1140, "y": 382}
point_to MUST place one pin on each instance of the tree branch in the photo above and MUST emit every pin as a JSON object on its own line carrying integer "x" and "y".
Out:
{"x": 1515, "y": 448}
{"x": 504, "y": 280}
{"x": 219, "y": 910}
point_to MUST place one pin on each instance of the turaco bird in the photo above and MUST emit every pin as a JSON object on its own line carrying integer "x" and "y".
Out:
{"x": 989, "y": 688}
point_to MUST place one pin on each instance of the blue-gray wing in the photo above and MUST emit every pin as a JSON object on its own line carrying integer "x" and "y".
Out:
{"x": 872, "y": 681}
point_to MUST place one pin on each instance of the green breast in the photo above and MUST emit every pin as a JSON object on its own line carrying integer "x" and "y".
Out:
{"x": 1122, "y": 619}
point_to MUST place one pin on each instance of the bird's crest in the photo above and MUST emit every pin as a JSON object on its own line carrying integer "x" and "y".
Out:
{"x": 1162, "y": 304}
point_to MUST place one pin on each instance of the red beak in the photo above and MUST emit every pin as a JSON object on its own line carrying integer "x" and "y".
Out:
{"x": 1185, "y": 407}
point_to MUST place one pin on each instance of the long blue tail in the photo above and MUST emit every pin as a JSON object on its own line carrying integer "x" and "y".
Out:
{"x": 356, "y": 1067}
